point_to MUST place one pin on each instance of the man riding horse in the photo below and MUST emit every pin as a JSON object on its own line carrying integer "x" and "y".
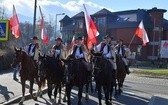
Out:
{"x": 121, "y": 51}
{"x": 79, "y": 51}
{"x": 108, "y": 52}
{"x": 34, "y": 50}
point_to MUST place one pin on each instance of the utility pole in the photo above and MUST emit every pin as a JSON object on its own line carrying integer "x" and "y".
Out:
{"x": 34, "y": 21}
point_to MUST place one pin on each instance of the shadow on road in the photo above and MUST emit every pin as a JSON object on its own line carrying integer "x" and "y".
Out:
{"x": 4, "y": 91}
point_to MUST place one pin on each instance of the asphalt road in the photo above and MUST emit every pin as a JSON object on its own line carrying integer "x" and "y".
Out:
{"x": 137, "y": 91}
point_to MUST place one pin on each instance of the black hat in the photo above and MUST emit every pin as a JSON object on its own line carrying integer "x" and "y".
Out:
{"x": 59, "y": 39}
{"x": 79, "y": 38}
{"x": 108, "y": 36}
{"x": 35, "y": 38}
{"x": 120, "y": 40}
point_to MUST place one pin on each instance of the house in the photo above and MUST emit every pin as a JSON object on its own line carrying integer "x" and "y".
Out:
{"x": 122, "y": 25}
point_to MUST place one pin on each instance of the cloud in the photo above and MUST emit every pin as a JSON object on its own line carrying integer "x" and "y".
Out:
{"x": 49, "y": 8}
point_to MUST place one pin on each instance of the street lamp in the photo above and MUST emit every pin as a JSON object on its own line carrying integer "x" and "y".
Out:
{"x": 56, "y": 22}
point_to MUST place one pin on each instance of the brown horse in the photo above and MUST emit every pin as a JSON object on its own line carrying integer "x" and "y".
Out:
{"x": 28, "y": 72}
{"x": 121, "y": 73}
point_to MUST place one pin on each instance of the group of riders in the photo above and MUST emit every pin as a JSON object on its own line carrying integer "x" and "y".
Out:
{"x": 79, "y": 51}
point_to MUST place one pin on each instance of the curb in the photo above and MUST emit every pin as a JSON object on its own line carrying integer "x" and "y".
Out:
{"x": 159, "y": 100}
{"x": 27, "y": 97}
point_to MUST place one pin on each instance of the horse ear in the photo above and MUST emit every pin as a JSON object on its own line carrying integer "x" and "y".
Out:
{"x": 15, "y": 49}
{"x": 20, "y": 49}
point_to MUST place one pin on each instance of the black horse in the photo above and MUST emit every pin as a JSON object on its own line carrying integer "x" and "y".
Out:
{"x": 121, "y": 73}
{"x": 77, "y": 76}
{"x": 54, "y": 71}
{"x": 103, "y": 76}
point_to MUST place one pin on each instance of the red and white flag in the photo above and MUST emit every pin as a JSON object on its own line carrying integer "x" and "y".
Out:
{"x": 44, "y": 36}
{"x": 83, "y": 40}
{"x": 141, "y": 33}
{"x": 14, "y": 24}
{"x": 91, "y": 30}
{"x": 73, "y": 41}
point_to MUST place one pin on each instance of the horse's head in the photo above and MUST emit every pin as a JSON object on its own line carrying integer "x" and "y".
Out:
{"x": 97, "y": 60}
{"x": 18, "y": 57}
{"x": 42, "y": 62}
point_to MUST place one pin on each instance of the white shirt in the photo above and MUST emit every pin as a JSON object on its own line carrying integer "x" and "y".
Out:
{"x": 77, "y": 53}
{"x": 57, "y": 52}
{"x": 31, "y": 53}
{"x": 120, "y": 50}
{"x": 105, "y": 50}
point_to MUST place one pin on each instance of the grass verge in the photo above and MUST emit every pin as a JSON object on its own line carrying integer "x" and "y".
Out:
{"x": 162, "y": 73}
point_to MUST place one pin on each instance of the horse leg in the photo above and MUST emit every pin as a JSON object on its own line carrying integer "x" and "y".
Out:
{"x": 87, "y": 89}
{"x": 115, "y": 87}
{"x": 59, "y": 100}
{"x": 55, "y": 94}
{"x": 65, "y": 95}
{"x": 31, "y": 90}
{"x": 39, "y": 92}
{"x": 49, "y": 85}
{"x": 99, "y": 93}
{"x": 23, "y": 91}
{"x": 68, "y": 91}
{"x": 119, "y": 86}
{"x": 111, "y": 91}
{"x": 80, "y": 95}
{"x": 106, "y": 91}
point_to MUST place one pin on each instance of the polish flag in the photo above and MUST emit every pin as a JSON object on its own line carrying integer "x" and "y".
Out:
{"x": 73, "y": 41}
{"x": 141, "y": 33}
{"x": 14, "y": 24}
{"x": 91, "y": 30}
{"x": 44, "y": 36}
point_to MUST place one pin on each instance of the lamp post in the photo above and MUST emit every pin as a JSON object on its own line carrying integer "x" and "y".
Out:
{"x": 56, "y": 23}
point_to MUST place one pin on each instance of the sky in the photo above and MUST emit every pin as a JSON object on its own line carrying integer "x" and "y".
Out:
{"x": 71, "y": 7}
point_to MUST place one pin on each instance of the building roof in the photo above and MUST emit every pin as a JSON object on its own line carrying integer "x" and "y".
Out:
{"x": 79, "y": 15}
{"x": 66, "y": 17}
{"x": 103, "y": 12}
{"x": 131, "y": 18}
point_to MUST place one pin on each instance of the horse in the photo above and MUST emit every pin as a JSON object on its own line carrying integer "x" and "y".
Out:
{"x": 121, "y": 73}
{"x": 77, "y": 76}
{"x": 54, "y": 71}
{"x": 103, "y": 76}
{"x": 28, "y": 72}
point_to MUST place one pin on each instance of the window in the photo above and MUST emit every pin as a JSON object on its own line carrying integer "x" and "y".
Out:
{"x": 79, "y": 24}
{"x": 101, "y": 22}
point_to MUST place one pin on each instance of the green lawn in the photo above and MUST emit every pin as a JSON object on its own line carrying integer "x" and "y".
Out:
{"x": 153, "y": 72}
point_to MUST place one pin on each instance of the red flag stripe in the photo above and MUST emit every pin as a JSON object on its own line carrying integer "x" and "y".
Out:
{"x": 14, "y": 24}
{"x": 44, "y": 36}
{"x": 91, "y": 30}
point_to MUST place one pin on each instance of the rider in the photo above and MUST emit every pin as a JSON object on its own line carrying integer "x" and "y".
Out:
{"x": 79, "y": 51}
{"x": 34, "y": 50}
{"x": 58, "y": 49}
{"x": 108, "y": 50}
{"x": 121, "y": 50}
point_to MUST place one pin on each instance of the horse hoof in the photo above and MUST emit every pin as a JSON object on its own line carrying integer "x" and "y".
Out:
{"x": 20, "y": 103}
{"x": 59, "y": 101}
{"x": 87, "y": 97}
{"x": 64, "y": 99}
{"x": 35, "y": 98}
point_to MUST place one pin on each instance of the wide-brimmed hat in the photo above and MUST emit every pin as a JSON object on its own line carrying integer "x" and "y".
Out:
{"x": 120, "y": 40}
{"x": 79, "y": 38}
{"x": 108, "y": 36}
{"x": 35, "y": 38}
{"x": 59, "y": 39}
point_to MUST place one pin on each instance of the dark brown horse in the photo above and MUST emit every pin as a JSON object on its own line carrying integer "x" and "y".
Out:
{"x": 77, "y": 76}
{"x": 121, "y": 73}
{"x": 28, "y": 72}
{"x": 103, "y": 71}
{"x": 53, "y": 69}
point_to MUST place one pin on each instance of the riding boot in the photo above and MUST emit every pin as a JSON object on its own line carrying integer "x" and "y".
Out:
{"x": 127, "y": 70}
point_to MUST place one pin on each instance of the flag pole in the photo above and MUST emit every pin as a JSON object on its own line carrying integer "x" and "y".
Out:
{"x": 131, "y": 41}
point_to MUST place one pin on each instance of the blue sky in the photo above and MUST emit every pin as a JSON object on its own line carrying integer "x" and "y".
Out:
{"x": 72, "y": 7}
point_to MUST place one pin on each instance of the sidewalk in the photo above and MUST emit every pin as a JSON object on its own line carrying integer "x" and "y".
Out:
{"x": 9, "y": 88}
